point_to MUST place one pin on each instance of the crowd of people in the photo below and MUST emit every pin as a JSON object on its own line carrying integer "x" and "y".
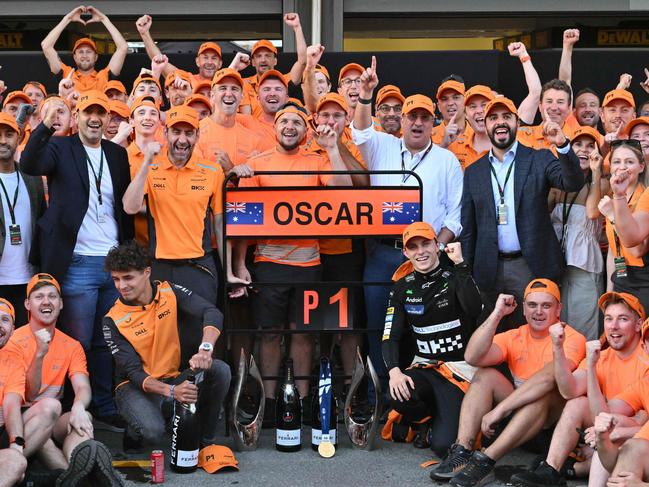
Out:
{"x": 517, "y": 316}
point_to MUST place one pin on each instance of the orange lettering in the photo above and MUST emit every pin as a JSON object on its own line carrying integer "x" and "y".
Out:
{"x": 341, "y": 297}
{"x": 310, "y": 303}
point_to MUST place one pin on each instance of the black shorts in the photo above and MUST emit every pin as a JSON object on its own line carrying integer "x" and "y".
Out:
{"x": 274, "y": 306}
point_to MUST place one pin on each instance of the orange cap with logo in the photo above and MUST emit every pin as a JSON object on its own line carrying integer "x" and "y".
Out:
{"x": 541, "y": 285}
{"x": 37, "y": 84}
{"x": 323, "y": 70}
{"x": 206, "y": 46}
{"x": 200, "y": 85}
{"x": 264, "y": 43}
{"x": 500, "y": 101}
{"x": 39, "y": 278}
{"x": 145, "y": 101}
{"x": 389, "y": 91}
{"x": 17, "y": 95}
{"x": 633, "y": 302}
{"x": 9, "y": 121}
{"x": 273, "y": 74}
{"x": 292, "y": 109}
{"x": 7, "y": 307}
{"x": 114, "y": 84}
{"x": 418, "y": 101}
{"x": 450, "y": 84}
{"x": 148, "y": 78}
{"x": 183, "y": 75}
{"x": 92, "y": 97}
{"x": 332, "y": 97}
{"x": 586, "y": 131}
{"x": 418, "y": 229}
{"x": 478, "y": 90}
{"x": 221, "y": 74}
{"x": 120, "y": 108}
{"x": 350, "y": 67}
{"x": 215, "y": 457}
{"x": 197, "y": 97}
{"x": 634, "y": 123}
{"x": 182, "y": 113}
{"x": 85, "y": 41}
{"x": 618, "y": 95}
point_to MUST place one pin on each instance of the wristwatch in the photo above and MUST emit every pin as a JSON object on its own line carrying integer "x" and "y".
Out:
{"x": 441, "y": 246}
{"x": 18, "y": 440}
{"x": 206, "y": 347}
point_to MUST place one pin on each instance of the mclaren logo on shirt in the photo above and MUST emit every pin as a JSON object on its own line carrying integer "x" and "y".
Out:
{"x": 163, "y": 314}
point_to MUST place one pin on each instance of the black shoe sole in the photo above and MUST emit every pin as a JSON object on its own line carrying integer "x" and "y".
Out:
{"x": 490, "y": 477}
{"x": 82, "y": 461}
{"x": 516, "y": 480}
{"x": 104, "y": 471}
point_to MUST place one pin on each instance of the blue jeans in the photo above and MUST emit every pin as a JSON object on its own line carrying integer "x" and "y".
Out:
{"x": 88, "y": 294}
{"x": 380, "y": 263}
{"x": 146, "y": 413}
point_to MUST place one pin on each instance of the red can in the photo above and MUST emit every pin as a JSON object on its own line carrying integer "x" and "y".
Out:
{"x": 157, "y": 467}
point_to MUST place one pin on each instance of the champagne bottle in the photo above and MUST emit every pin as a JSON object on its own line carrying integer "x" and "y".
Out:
{"x": 185, "y": 436}
{"x": 316, "y": 427}
{"x": 288, "y": 430}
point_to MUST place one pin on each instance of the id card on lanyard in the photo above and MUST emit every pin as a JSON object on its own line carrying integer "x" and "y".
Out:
{"x": 15, "y": 237}
{"x": 502, "y": 212}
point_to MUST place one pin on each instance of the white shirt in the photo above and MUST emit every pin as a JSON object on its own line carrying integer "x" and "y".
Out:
{"x": 439, "y": 171}
{"x": 14, "y": 263}
{"x": 95, "y": 237}
{"x": 507, "y": 234}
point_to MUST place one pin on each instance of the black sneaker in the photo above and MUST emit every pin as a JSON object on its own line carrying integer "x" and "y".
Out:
{"x": 103, "y": 474}
{"x": 543, "y": 475}
{"x": 421, "y": 435}
{"x": 456, "y": 459}
{"x": 82, "y": 461}
{"x": 479, "y": 471}
{"x": 270, "y": 407}
{"x": 113, "y": 422}
{"x": 40, "y": 478}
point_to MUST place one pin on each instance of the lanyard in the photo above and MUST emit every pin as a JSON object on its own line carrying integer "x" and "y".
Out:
{"x": 324, "y": 389}
{"x": 403, "y": 163}
{"x": 566, "y": 213}
{"x": 501, "y": 189}
{"x": 9, "y": 204}
{"x": 97, "y": 178}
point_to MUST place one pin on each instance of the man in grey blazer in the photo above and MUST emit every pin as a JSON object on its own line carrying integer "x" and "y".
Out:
{"x": 507, "y": 236}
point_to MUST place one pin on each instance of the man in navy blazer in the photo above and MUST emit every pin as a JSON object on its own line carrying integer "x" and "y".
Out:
{"x": 87, "y": 177}
{"x": 507, "y": 237}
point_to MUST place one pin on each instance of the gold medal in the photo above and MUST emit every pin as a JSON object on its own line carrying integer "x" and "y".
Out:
{"x": 326, "y": 449}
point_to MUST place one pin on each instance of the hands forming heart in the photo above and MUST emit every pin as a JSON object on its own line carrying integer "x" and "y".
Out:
{"x": 86, "y": 15}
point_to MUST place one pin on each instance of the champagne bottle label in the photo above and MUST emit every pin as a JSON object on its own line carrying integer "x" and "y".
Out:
{"x": 288, "y": 437}
{"x": 316, "y": 436}
{"x": 187, "y": 458}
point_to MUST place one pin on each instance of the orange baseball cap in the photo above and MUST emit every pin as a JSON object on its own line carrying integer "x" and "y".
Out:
{"x": 9, "y": 121}
{"x": 227, "y": 73}
{"x": 17, "y": 95}
{"x": 215, "y": 457}
{"x": 629, "y": 299}
{"x": 119, "y": 107}
{"x": 323, "y": 70}
{"x": 50, "y": 98}
{"x": 114, "y": 84}
{"x": 389, "y": 91}
{"x": 500, "y": 100}
{"x": 199, "y": 85}
{"x": 42, "y": 277}
{"x": 7, "y": 307}
{"x": 450, "y": 84}
{"x": 183, "y": 75}
{"x": 543, "y": 286}
{"x": 148, "y": 101}
{"x": 182, "y": 113}
{"x": 634, "y": 123}
{"x": 478, "y": 90}
{"x": 198, "y": 98}
{"x": 146, "y": 77}
{"x": 273, "y": 74}
{"x": 292, "y": 109}
{"x": 85, "y": 41}
{"x": 263, "y": 44}
{"x": 206, "y": 46}
{"x": 350, "y": 67}
{"x": 618, "y": 95}
{"x": 332, "y": 98}
{"x": 37, "y": 84}
{"x": 418, "y": 229}
{"x": 586, "y": 131}
{"x": 418, "y": 101}
{"x": 92, "y": 97}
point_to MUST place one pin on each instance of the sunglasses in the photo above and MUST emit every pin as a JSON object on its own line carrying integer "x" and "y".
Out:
{"x": 630, "y": 142}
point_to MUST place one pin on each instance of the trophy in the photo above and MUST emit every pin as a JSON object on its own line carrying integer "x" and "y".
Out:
{"x": 245, "y": 427}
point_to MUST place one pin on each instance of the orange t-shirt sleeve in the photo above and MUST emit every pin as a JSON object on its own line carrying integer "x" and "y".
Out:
{"x": 643, "y": 202}
{"x": 66, "y": 69}
{"x": 575, "y": 346}
{"x": 503, "y": 342}
{"x": 632, "y": 395}
{"x": 78, "y": 361}
{"x": 324, "y": 165}
{"x": 102, "y": 78}
{"x": 15, "y": 382}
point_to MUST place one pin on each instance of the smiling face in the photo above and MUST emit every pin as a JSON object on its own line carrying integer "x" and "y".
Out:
{"x": 541, "y": 310}
{"x": 617, "y": 113}
{"x": 322, "y": 84}
{"x": 389, "y": 114}
{"x": 583, "y": 146}
{"x": 557, "y": 105}
{"x": 621, "y": 326}
{"x": 449, "y": 103}
{"x": 132, "y": 284}
{"x": 85, "y": 58}
{"x": 34, "y": 93}
{"x": 263, "y": 59}
{"x": 587, "y": 109}
{"x": 422, "y": 253}
{"x": 8, "y": 143}
{"x": 290, "y": 130}
{"x": 226, "y": 96}
{"x": 475, "y": 113}
{"x": 6, "y": 327}
{"x": 181, "y": 139}
{"x": 501, "y": 127}
{"x": 208, "y": 62}
{"x": 44, "y": 305}
{"x": 272, "y": 95}
{"x": 62, "y": 121}
{"x": 91, "y": 123}
{"x": 641, "y": 132}
{"x": 113, "y": 125}
{"x": 349, "y": 87}
{"x": 146, "y": 120}
{"x": 333, "y": 115}
{"x": 624, "y": 159}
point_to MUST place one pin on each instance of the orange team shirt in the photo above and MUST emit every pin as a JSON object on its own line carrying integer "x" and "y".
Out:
{"x": 614, "y": 373}
{"x": 265, "y": 130}
{"x": 65, "y": 356}
{"x": 297, "y": 252}
{"x": 12, "y": 378}
{"x": 177, "y": 203}
{"x": 533, "y": 136}
{"x": 636, "y": 395}
{"x": 135, "y": 159}
{"x": 238, "y": 142}
{"x": 639, "y": 201}
{"x": 336, "y": 246}
{"x": 526, "y": 355}
{"x": 96, "y": 80}
{"x": 439, "y": 130}
{"x": 463, "y": 149}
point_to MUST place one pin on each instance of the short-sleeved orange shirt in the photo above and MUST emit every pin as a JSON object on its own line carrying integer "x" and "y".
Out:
{"x": 65, "y": 357}
{"x": 614, "y": 374}
{"x": 12, "y": 378}
{"x": 636, "y": 395}
{"x": 637, "y": 202}
{"x": 135, "y": 160}
{"x": 265, "y": 130}
{"x": 526, "y": 355}
{"x": 238, "y": 142}
{"x": 297, "y": 252}
{"x": 463, "y": 149}
{"x": 180, "y": 203}
{"x": 96, "y": 80}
